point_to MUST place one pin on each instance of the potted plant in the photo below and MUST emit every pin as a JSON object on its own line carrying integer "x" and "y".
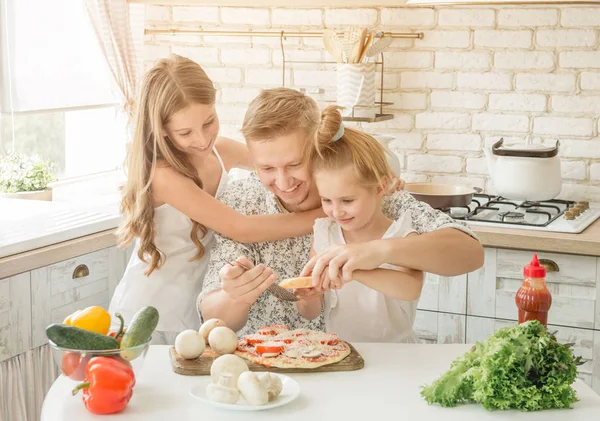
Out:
{"x": 26, "y": 177}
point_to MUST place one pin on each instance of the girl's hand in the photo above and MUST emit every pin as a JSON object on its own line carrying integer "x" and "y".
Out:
{"x": 307, "y": 294}
{"x": 396, "y": 184}
{"x": 341, "y": 260}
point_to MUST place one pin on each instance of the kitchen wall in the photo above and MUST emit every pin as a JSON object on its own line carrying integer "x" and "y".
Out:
{"x": 478, "y": 74}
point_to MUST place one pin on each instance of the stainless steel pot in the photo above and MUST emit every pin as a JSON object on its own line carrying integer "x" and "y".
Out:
{"x": 442, "y": 196}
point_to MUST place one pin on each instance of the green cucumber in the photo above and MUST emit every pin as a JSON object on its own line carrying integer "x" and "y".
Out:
{"x": 72, "y": 337}
{"x": 139, "y": 331}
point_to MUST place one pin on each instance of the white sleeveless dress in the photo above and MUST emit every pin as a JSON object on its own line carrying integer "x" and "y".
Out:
{"x": 357, "y": 313}
{"x": 173, "y": 288}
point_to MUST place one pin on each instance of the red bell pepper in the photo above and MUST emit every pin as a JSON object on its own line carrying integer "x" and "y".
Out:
{"x": 108, "y": 385}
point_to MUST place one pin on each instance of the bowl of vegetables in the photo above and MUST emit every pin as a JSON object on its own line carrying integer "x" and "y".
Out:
{"x": 74, "y": 343}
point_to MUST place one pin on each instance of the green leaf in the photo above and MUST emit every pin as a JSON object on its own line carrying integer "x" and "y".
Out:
{"x": 519, "y": 367}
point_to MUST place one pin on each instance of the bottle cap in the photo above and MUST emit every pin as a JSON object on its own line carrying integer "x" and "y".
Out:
{"x": 534, "y": 269}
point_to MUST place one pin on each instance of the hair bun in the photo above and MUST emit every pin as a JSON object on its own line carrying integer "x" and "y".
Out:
{"x": 331, "y": 119}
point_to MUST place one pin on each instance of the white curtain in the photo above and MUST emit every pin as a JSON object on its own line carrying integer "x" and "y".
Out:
{"x": 24, "y": 382}
{"x": 119, "y": 28}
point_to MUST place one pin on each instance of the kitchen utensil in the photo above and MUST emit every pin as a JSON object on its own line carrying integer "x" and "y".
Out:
{"x": 524, "y": 171}
{"x": 442, "y": 196}
{"x": 332, "y": 45}
{"x": 201, "y": 366}
{"x": 368, "y": 43}
{"x": 349, "y": 39}
{"x": 358, "y": 47}
{"x": 290, "y": 391}
{"x": 275, "y": 290}
{"x": 380, "y": 46}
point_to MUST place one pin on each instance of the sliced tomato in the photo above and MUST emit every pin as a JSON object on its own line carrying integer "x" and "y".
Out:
{"x": 270, "y": 348}
{"x": 254, "y": 339}
{"x": 332, "y": 341}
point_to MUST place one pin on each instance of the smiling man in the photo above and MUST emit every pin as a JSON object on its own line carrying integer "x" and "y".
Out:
{"x": 279, "y": 126}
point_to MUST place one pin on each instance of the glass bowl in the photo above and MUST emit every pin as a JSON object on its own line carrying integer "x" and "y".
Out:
{"x": 72, "y": 362}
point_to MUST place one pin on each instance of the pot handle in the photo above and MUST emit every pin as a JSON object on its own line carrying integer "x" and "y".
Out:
{"x": 477, "y": 189}
{"x": 550, "y": 153}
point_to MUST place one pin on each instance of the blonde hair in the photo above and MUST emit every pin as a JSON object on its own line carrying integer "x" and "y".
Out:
{"x": 280, "y": 111}
{"x": 171, "y": 85}
{"x": 354, "y": 148}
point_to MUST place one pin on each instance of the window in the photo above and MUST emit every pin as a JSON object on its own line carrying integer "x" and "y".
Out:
{"x": 57, "y": 97}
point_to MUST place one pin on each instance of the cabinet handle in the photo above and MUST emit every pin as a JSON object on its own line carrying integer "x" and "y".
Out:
{"x": 81, "y": 271}
{"x": 550, "y": 265}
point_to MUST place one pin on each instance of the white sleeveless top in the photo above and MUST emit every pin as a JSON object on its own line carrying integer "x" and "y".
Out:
{"x": 173, "y": 288}
{"x": 357, "y": 313}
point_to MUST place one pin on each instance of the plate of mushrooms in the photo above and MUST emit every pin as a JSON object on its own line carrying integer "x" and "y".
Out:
{"x": 232, "y": 386}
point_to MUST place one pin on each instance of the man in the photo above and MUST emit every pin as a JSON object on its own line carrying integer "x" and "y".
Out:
{"x": 279, "y": 125}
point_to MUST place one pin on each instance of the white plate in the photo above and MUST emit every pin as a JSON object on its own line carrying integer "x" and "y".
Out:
{"x": 289, "y": 392}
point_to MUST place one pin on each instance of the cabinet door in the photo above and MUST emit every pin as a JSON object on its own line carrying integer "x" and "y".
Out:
{"x": 445, "y": 294}
{"x": 15, "y": 315}
{"x": 587, "y": 343}
{"x": 60, "y": 289}
{"x": 440, "y": 328}
{"x": 491, "y": 290}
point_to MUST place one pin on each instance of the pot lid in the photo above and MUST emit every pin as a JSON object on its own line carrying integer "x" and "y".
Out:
{"x": 532, "y": 150}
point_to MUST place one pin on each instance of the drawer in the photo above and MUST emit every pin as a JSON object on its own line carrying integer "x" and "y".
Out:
{"x": 62, "y": 288}
{"x": 442, "y": 328}
{"x": 491, "y": 290}
{"x": 587, "y": 344}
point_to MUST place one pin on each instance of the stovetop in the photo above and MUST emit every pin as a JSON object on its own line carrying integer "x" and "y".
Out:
{"x": 551, "y": 215}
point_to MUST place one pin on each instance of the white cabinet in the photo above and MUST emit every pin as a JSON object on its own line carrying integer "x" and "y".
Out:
{"x": 440, "y": 328}
{"x": 30, "y": 301}
{"x": 15, "y": 315}
{"x": 491, "y": 290}
{"x": 445, "y": 294}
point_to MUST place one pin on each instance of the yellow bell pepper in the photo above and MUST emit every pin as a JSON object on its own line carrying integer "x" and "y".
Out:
{"x": 94, "y": 319}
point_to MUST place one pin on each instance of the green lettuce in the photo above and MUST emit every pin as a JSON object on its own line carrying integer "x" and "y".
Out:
{"x": 519, "y": 367}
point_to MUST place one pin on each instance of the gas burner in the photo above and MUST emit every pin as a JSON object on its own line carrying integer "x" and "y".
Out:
{"x": 511, "y": 216}
{"x": 548, "y": 215}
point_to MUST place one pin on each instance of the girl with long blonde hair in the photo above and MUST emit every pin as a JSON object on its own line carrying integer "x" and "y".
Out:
{"x": 351, "y": 174}
{"x": 176, "y": 166}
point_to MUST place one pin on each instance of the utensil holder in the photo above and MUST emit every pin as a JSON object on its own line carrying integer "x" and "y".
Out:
{"x": 356, "y": 89}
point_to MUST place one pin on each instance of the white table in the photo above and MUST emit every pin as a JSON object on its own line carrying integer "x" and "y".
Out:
{"x": 386, "y": 388}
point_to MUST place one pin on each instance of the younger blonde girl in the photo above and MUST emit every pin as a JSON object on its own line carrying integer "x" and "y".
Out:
{"x": 351, "y": 173}
{"x": 177, "y": 164}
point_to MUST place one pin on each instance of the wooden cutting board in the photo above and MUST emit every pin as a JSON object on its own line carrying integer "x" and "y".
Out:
{"x": 201, "y": 366}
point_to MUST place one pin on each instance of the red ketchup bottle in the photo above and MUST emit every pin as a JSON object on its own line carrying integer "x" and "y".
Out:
{"x": 533, "y": 299}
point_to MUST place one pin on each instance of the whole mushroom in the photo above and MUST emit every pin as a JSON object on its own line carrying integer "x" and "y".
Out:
{"x": 272, "y": 383}
{"x": 222, "y": 340}
{"x": 228, "y": 363}
{"x": 251, "y": 389}
{"x": 209, "y": 325}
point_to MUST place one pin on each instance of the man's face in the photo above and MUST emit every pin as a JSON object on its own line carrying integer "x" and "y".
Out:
{"x": 280, "y": 166}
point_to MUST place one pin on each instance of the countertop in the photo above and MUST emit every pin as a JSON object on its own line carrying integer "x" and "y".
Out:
{"x": 386, "y": 388}
{"x": 586, "y": 243}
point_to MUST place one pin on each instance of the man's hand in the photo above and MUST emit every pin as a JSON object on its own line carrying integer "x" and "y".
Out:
{"x": 246, "y": 285}
{"x": 396, "y": 184}
{"x": 339, "y": 262}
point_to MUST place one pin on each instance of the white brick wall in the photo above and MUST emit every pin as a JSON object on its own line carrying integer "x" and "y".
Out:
{"x": 479, "y": 73}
